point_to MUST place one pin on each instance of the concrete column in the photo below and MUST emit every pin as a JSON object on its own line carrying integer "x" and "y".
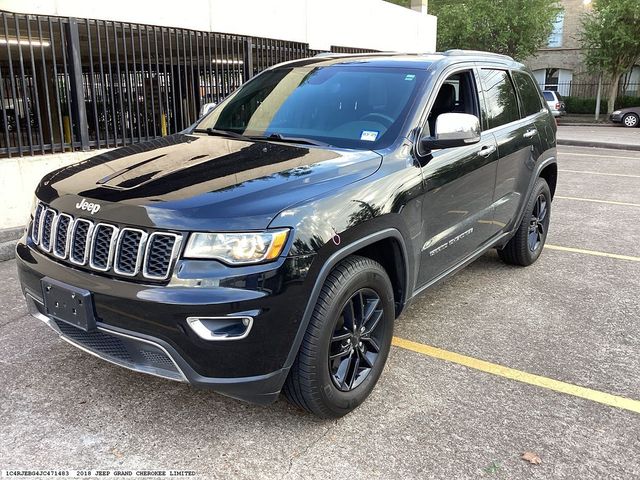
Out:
{"x": 420, "y": 5}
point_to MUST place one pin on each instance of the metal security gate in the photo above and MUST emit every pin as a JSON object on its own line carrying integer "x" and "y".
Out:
{"x": 74, "y": 84}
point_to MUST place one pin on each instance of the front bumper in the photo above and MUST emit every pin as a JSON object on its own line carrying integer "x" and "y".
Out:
{"x": 143, "y": 327}
{"x": 617, "y": 118}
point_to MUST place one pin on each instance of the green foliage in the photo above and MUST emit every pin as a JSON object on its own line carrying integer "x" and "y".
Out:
{"x": 588, "y": 105}
{"x": 583, "y": 105}
{"x": 611, "y": 39}
{"x": 611, "y": 36}
{"x": 402, "y": 3}
{"x": 512, "y": 27}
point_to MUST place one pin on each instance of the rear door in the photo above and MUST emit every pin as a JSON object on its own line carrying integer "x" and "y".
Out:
{"x": 518, "y": 143}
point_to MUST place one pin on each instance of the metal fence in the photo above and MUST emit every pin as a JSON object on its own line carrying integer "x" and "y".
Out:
{"x": 69, "y": 84}
{"x": 590, "y": 89}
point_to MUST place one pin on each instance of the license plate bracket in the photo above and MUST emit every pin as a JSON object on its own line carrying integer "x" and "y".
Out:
{"x": 68, "y": 303}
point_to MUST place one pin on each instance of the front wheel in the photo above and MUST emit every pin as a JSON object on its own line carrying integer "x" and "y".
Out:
{"x": 347, "y": 341}
{"x": 526, "y": 245}
{"x": 631, "y": 120}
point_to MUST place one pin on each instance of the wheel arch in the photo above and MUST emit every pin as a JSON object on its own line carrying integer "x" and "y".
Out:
{"x": 388, "y": 248}
{"x": 550, "y": 174}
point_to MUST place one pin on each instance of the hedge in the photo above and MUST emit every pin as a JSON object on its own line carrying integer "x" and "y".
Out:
{"x": 588, "y": 105}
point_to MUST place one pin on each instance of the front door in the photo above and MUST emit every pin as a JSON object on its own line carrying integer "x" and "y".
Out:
{"x": 457, "y": 209}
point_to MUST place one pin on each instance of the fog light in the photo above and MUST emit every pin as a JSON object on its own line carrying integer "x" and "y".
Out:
{"x": 221, "y": 328}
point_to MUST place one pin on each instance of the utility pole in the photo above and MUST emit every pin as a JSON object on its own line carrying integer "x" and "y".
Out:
{"x": 598, "y": 96}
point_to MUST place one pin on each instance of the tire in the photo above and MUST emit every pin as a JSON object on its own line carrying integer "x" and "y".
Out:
{"x": 314, "y": 382}
{"x": 631, "y": 120}
{"x": 526, "y": 245}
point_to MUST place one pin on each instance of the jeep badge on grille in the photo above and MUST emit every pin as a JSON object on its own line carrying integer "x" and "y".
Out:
{"x": 88, "y": 206}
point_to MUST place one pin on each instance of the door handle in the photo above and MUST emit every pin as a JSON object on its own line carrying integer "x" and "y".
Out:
{"x": 530, "y": 133}
{"x": 486, "y": 151}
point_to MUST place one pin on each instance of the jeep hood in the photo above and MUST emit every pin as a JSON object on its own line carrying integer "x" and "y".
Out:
{"x": 200, "y": 182}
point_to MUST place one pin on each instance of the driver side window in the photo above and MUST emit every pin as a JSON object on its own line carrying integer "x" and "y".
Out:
{"x": 457, "y": 94}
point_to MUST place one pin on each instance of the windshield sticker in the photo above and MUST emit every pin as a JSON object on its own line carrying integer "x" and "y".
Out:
{"x": 409, "y": 77}
{"x": 369, "y": 135}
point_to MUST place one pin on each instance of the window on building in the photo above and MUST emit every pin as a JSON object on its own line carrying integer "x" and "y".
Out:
{"x": 501, "y": 103}
{"x": 551, "y": 78}
{"x": 555, "y": 39}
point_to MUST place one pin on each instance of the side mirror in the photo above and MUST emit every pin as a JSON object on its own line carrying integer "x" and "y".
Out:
{"x": 453, "y": 130}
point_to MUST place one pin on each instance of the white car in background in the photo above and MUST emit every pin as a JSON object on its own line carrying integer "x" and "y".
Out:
{"x": 555, "y": 102}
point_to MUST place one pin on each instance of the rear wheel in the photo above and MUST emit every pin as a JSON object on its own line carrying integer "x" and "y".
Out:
{"x": 526, "y": 245}
{"x": 630, "y": 120}
{"x": 347, "y": 341}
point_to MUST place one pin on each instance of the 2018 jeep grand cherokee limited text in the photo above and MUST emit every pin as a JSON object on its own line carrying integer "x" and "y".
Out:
{"x": 272, "y": 245}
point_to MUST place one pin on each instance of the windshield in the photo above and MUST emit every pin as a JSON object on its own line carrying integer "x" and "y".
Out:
{"x": 341, "y": 105}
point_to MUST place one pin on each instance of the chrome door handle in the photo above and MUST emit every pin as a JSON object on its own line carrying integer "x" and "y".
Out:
{"x": 530, "y": 133}
{"x": 486, "y": 151}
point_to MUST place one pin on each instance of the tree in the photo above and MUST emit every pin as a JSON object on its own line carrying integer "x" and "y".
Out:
{"x": 512, "y": 27}
{"x": 611, "y": 41}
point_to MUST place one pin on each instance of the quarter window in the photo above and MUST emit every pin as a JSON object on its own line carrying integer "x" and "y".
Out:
{"x": 528, "y": 91}
{"x": 501, "y": 103}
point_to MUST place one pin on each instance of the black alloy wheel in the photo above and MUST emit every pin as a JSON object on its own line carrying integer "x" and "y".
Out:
{"x": 537, "y": 224}
{"x": 355, "y": 344}
{"x": 527, "y": 243}
{"x": 347, "y": 341}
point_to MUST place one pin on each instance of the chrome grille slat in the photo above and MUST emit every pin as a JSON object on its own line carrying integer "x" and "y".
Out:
{"x": 103, "y": 246}
{"x": 80, "y": 241}
{"x": 35, "y": 230}
{"x": 46, "y": 229}
{"x": 127, "y": 252}
{"x": 61, "y": 235}
{"x": 159, "y": 254}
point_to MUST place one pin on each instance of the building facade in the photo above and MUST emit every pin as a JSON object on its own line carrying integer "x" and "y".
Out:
{"x": 560, "y": 65}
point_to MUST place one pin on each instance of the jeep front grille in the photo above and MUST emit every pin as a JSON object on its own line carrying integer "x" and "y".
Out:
{"x": 105, "y": 247}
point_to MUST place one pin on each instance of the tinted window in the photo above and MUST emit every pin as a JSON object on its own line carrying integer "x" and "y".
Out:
{"x": 528, "y": 92}
{"x": 548, "y": 96}
{"x": 500, "y": 98}
{"x": 343, "y": 105}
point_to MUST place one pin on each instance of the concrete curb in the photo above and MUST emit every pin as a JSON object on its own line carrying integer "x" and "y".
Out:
{"x": 8, "y": 239}
{"x": 588, "y": 143}
{"x": 584, "y": 124}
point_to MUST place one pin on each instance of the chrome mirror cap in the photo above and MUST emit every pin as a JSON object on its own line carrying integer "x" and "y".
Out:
{"x": 453, "y": 130}
{"x": 459, "y": 127}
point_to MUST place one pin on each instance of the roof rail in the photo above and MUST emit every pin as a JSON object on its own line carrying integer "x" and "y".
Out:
{"x": 457, "y": 51}
{"x": 337, "y": 54}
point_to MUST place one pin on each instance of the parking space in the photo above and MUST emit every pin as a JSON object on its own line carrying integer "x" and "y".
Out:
{"x": 571, "y": 317}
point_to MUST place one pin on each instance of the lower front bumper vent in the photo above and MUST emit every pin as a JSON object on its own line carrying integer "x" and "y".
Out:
{"x": 121, "y": 349}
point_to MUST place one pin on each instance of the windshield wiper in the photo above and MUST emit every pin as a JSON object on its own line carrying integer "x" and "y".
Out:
{"x": 277, "y": 137}
{"x": 221, "y": 133}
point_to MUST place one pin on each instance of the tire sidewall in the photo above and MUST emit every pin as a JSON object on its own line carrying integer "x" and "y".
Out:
{"x": 378, "y": 281}
{"x": 541, "y": 187}
{"x": 631, "y": 115}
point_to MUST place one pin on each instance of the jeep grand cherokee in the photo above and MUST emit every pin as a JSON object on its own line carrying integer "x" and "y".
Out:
{"x": 271, "y": 246}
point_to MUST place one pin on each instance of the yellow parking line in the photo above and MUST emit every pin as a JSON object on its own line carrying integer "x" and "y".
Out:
{"x": 601, "y": 173}
{"x": 593, "y": 200}
{"x": 598, "y": 156}
{"x": 520, "y": 376}
{"x": 592, "y": 252}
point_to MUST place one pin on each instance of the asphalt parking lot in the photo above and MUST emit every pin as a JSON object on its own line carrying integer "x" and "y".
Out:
{"x": 573, "y": 317}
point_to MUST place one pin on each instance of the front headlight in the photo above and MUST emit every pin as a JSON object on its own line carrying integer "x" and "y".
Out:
{"x": 617, "y": 112}
{"x": 237, "y": 248}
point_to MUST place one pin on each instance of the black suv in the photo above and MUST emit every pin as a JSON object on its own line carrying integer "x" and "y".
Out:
{"x": 273, "y": 244}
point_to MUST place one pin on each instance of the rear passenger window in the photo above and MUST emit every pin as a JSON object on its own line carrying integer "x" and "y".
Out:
{"x": 528, "y": 91}
{"x": 501, "y": 103}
